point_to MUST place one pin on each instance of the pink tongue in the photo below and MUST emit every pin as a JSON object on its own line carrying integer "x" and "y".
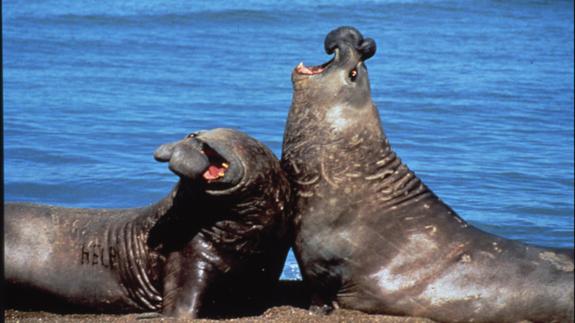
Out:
{"x": 302, "y": 69}
{"x": 213, "y": 172}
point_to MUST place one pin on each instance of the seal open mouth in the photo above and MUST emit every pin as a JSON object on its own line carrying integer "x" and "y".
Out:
{"x": 218, "y": 165}
{"x": 312, "y": 70}
{"x": 350, "y": 48}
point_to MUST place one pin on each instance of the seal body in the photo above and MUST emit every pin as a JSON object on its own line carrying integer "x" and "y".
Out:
{"x": 371, "y": 236}
{"x": 216, "y": 243}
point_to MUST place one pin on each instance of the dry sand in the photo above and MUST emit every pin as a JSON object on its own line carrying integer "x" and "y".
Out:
{"x": 274, "y": 314}
{"x": 289, "y": 304}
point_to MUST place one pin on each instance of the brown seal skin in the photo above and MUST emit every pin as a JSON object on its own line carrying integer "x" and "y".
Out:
{"x": 371, "y": 236}
{"x": 216, "y": 244}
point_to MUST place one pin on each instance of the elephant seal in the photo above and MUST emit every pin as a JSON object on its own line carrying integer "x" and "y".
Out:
{"x": 217, "y": 242}
{"x": 370, "y": 236}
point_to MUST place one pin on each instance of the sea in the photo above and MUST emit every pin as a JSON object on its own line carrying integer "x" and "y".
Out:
{"x": 475, "y": 96}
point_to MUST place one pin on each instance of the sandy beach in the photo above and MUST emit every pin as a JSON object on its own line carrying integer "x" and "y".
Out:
{"x": 274, "y": 314}
{"x": 288, "y": 304}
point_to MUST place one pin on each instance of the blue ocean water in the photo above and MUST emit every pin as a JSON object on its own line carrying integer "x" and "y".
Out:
{"x": 475, "y": 96}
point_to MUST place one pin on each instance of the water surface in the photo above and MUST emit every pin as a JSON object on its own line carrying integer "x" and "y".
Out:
{"x": 475, "y": 96}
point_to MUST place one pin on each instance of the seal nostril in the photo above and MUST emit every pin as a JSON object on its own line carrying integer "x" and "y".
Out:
{"x": 164, "y": 152}
{"x": 367, "y": 48}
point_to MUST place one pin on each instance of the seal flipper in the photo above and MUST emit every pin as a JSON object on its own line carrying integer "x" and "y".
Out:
{"x": 184, "y": 291}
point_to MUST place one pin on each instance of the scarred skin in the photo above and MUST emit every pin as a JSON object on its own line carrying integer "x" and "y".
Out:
{"x": 209, "y": 247}
{"x": 371, "y": 236}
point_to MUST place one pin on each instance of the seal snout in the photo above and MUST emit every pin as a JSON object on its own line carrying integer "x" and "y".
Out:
{"x": 343, "y": 37}
{"x": 193, "y": 159}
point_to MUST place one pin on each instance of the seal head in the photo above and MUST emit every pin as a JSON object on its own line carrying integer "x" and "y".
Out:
{"x": 207, "y": 158}
{"x": 343, "y": 79}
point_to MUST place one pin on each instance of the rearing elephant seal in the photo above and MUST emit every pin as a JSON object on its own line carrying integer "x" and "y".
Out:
{"x": 371, "y": 236}
{"x": 216, "y": 243}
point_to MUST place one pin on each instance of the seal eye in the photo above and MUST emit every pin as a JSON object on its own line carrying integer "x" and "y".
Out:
{"x": 353, "y": 75}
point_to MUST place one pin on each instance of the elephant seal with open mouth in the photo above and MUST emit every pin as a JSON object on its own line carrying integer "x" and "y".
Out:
{"x": 371, "y": 236}
{"x": 216, "y": 244}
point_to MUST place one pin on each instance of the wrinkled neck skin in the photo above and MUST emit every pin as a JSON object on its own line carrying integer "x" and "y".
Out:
{"x": 241, "y": 222}
{"x": 343, "y": 146}
{"x": 187, "y": 218}
{"x": 222, "y": 220}
{"x": 140, "y": 263}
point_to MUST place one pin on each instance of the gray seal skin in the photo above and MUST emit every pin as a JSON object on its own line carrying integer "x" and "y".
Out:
{"x": 370, "y": 236}
{"x": 216, "y": 244}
